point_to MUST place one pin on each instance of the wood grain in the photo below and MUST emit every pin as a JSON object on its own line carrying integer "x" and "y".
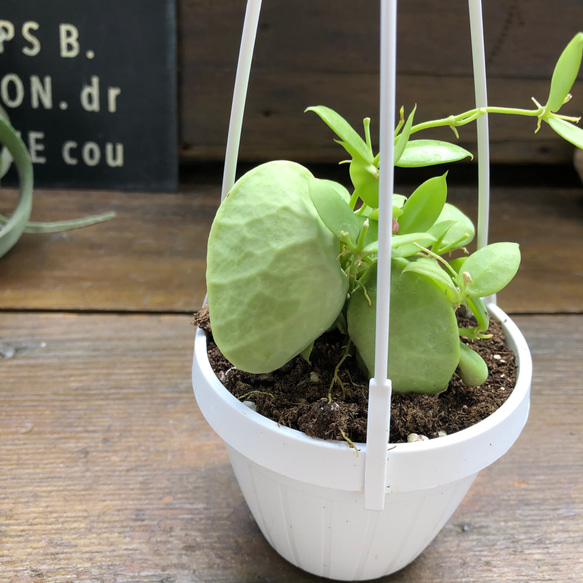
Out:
{"x": 151, "y": 257}
{"x": 110, "y": 474}
{"x": 327, "y": 53}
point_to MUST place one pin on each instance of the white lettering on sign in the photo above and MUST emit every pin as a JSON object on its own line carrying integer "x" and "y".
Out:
{"x": 91, "y": 154}
{"x": 68, "y": 41}
{"x": 35, "y": 146}
{"x": 6, "y": 33}
{"x": 34, "y": 48}
{"x": 41, "y": 92}
{"x": 38, "y": 92}
{"x": 90, "y": 96}
{"x": 12, "y": 91}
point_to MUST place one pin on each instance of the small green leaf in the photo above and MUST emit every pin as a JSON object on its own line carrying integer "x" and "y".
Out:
{"x": 349, "y": 138}
{"x": 424, "y": 206}
{"x": 422, "y": 239}
{"x": 565, "y": 73}
{"x": 334, "y": 210}
{"x": 307, "y": 352}
{"x": 439, "y": 230}
{"x": 340, "y": 189}
{"x": 372, "y": 235}
{"x": 491, "y": 268}
{"x": 480, "y": 312}
{"x": 566, "y": 130}
{"x": 420, "y": 153}
{"x": 456, "y": 264}
{"x": 399, "y": 200}
{"x": 403, "y": 138}
{"x": 460, "y": 234}
{"x": 365, "y": 184}
{"x": 431, "y": 269}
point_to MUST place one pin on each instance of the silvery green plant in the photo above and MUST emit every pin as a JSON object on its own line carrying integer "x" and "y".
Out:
{"x": 11, "y": 228}
{"x": 291, "y": 256}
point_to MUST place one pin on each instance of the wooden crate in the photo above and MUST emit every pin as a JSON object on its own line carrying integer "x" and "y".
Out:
{"x": 326, "y": 52}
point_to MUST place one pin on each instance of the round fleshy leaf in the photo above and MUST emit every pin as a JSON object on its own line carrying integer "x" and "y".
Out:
{"x": 423, "y": 335}
{"x": 274, "y": 283}
{"x": 472, "y": 369}
{"x": 491, "y": 268}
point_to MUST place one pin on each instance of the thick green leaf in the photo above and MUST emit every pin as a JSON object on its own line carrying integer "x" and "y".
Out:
{"x": 491, "y": 268}
{"x": 567, "y": 130}
{"x": 424, "y": 206}
{"x": 423, "y": 337}
{"x": 349, "y": 138}
{"x": 472, "y": 368}
{"x": 333, "y": 209}
{"x": 274, "y": 282}
{"x": 565, "y": 73}
{"x": 420, "y": 153}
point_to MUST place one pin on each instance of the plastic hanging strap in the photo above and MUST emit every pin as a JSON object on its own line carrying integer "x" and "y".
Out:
{"x": 480, "y": 88}
{"x": 379, "y": 397}
{"x": 240, "y": 94}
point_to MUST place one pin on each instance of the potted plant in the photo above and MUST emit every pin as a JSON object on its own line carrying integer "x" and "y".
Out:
{"x": 291, "y": 256}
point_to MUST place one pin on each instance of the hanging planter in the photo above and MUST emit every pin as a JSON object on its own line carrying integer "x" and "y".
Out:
{"x": 308, "y": 495}
{"x": 291, "y": 256}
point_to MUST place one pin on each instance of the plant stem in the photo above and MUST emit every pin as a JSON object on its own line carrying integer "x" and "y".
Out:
{"x": 60, "y": 226}
{"x": 473, "y": 114}
{"x": 336, "y": 378}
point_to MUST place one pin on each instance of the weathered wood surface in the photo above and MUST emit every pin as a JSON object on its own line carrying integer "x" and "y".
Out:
{"x": 109, "y": 473}
{"x": 151, "y": 257}
{"x": 327, "y": 53}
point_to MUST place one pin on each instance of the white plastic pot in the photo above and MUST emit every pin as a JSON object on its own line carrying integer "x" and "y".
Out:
{"x": 307, "y": 495}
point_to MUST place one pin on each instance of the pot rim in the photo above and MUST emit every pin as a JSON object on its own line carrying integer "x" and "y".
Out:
{"x": 422, "y": 464}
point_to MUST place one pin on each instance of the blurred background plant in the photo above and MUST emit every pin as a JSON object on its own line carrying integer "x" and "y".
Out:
{"x": 11, "y": 228}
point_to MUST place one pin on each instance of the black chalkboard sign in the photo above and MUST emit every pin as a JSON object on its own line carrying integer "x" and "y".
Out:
{"x": 91, "y": 86}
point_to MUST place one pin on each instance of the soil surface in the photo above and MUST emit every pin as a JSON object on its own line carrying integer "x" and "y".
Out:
{"x": 297, "y": 395}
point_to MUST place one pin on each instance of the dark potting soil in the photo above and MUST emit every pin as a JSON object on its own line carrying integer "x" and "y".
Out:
{"x": 297, "y": 394}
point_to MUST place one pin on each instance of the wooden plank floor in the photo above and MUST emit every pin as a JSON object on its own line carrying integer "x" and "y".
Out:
{"x": 109, "y": 473}
{"x": 151, "y": 257}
